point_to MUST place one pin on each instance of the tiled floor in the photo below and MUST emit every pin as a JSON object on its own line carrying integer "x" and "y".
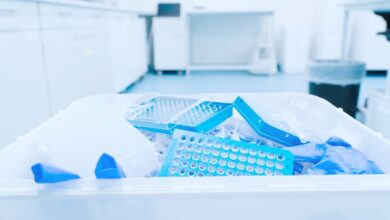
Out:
{"x": 229, "y": 82}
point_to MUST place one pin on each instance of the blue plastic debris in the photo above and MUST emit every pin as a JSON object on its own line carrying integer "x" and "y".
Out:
{"x": 336, "y": 141}
{"x": 44, "y": 173}
{"x": 310, "y": 152}
{"x": 108, "y": 168}
{"x": 262, "y": 128}
{"x": 164, "y": 114}
{"x": 194, "y": 154}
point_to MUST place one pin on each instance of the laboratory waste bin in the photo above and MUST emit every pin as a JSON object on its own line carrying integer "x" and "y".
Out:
{"x": 358, "y": 197}
{"x": 337, "y": 81}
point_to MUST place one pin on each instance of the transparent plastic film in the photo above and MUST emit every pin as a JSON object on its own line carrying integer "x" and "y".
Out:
{"x": 294, "y": 117}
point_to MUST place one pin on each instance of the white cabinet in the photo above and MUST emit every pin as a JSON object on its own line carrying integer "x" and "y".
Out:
{"x": 18, "y": 15}
{"x": 77, "y": 65}
{"x": 170, "y": 43}
{"x": 128, "y": 49}
{"x": 58, "y": 16}
{"x": 53, "y": 54}
{"x": 77, "y": 58}
{"x": 120, "y": 48}
{"x": 138, "y": 39}
{"x": 23, "y": 91}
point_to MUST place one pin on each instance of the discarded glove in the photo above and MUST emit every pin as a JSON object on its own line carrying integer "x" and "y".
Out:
{"x": 336, "y": 156}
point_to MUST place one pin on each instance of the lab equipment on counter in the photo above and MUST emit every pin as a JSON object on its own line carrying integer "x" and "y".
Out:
{"x": 264, "y": 129}
{"x": 194, "y": 154}
{"x": 164, "y": 114}
{"x": 333, "y": 157}
{"x": 45, "y": 173}
{"x": 108, "y": 168}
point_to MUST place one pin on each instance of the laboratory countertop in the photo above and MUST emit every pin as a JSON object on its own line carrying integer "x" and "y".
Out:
{"x": 225, "y": 12}
{"x": 89, "y": 4}
{"x": 377, "y": 5}
{"x": 236, "y": 81}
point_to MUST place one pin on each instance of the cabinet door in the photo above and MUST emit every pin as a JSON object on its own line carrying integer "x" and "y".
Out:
{"x": 121, "y": 51}
{"x": 77, "y": 64}
{"x": 139, "y": 39}
{"x": 23, "y": 91}
{"x": 128, "y": 49}
{"x": 170, "y": 43}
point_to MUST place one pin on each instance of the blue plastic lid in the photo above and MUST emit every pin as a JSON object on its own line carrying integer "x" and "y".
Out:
{"x": 262, "y": 128}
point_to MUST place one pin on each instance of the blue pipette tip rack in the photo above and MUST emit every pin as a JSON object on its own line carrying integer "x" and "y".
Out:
{"x": 262, "y": 128}
{"x": 193, "y": 154}
{"x": 165, "y": 114}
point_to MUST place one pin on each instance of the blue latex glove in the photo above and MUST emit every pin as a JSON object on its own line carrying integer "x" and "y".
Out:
{"x": 335, "y": 141}
{"x": 310, "y": 152}
{"x": 336, "y": 156}
{"x": 341, "y": 160}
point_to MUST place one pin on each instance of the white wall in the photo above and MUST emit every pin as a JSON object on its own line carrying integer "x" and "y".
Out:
{"x": 365, "y": 44}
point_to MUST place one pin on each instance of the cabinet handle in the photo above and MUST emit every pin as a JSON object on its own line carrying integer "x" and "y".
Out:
{"x": 199, "y": 7}
{"x": 84, "y": 36}
{"x": 6, "y": 12}
{"x": 97, "y": 16}
{"x": 64, "y": 14}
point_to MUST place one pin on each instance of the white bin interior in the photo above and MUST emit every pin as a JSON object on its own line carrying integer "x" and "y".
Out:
{"x": 75, "y": 139}
{"x": 285, "y": 197}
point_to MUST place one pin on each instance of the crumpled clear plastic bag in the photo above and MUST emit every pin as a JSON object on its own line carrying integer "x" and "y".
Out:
{"x": 333, "y": 157}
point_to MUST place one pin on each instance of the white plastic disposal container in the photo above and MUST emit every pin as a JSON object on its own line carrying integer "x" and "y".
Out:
{"x": 358, "y": 197}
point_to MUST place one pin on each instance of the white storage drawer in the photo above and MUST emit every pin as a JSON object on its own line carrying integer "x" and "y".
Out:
{"x": 58, "y": 16}
{"x": 358, "y": 197}
{"x": 96, "y": 18}
{"x": 18, "y": 15}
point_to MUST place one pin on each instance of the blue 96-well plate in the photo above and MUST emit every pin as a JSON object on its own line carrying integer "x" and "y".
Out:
{"x": 194, "y": 154}
{"x": 164, "y": 114}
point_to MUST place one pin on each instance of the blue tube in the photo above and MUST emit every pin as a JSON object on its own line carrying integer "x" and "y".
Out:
{"x": 108, "y": 168}
{"x": 44, "y": 173}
